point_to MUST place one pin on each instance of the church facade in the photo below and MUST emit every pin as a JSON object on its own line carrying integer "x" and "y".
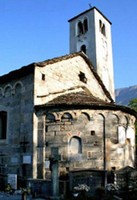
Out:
{"x": 68, "y": 103}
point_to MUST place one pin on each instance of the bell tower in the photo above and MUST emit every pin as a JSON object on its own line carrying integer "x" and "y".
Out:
{"x": 90, "y": 32}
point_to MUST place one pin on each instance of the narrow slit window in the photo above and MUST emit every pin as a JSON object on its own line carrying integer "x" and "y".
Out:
{"x": 80, "y": 28}
{"x": 43, "y": 77}
{"x": 85, "y": 23}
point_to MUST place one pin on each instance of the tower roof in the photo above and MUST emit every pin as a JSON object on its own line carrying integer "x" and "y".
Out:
{"x": 93, "y": 8}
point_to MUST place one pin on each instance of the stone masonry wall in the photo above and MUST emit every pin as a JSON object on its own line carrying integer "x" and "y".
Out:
{"x": 16, "y": 98}
{"x": 57, "y": 81}
{"x": 82, "y": 134}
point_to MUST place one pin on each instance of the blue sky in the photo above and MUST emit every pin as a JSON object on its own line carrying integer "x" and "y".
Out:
{"x": 36, "y": 30}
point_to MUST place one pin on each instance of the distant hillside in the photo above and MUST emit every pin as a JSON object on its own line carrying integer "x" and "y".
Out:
{"x": 124, "y": 95}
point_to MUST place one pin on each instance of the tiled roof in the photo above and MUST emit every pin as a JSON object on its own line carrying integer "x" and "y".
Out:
{"x": 81, "y": 100}
{"x": 77, "y": 98}
{"x": 30, "y": 68}
{"x": 16, "y": 74}
{"x": 40, "y": 64}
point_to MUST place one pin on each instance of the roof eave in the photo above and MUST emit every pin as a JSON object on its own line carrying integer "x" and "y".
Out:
{"x": 88, "y": 11}
{"x": 16, "y": 74}
{"x": 108, "y": 106}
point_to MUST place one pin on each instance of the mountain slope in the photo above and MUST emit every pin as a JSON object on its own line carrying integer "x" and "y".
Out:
{"x": 124, "y": 95}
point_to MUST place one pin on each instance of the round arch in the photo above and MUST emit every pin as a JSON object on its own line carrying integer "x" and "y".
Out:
{"x": 75, "y": 145}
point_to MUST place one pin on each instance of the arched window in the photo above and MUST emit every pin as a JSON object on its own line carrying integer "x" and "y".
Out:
{"x": 66, "y": 117}
{"x": 3, "y": 125}
{"x": 100, "y": 24}
{"x": 18, "y": 87}
{"x": 102, "y": 28}
{"x": 1, "y": 92}
{"x": 83, "y": 48}
{"x": 50, "y": 118}
{"x": 85, "y": 23}
{"x": 80, "y": 28}
{"x": 7, "y": 91}
{"x": 121, "y": 135}
{"x": 75, "y": 145}
{"x": 113, "y": 123}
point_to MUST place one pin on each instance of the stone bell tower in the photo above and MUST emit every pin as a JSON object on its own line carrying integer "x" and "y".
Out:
{"x": 90, "y": 32}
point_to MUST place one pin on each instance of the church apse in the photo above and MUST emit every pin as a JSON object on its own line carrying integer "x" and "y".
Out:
{"x": 84, "y": 140}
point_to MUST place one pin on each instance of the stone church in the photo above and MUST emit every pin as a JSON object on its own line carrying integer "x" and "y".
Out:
{"x": 66, "y": 102}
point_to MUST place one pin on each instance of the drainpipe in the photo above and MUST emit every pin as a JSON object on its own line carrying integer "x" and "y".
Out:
{"x": 104, "y": 152}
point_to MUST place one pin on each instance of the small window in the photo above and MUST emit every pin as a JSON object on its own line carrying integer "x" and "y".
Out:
{"x": 3, "y": 125}
{"x": 66, "y": 117}
{"x": 82, "y": 77}
{"x": 50, "y": 118}
{"x": 83, "y": 48}
{"x": 92, "y": 132}
{"x": 43, "y": 77}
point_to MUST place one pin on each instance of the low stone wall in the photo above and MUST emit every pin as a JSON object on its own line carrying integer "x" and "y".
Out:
{"x": 92, "y": 178}
{"x": 43, "y": 188}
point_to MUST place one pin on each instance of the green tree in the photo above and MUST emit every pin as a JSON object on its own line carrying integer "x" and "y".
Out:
{"x": 133, "y": 105}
